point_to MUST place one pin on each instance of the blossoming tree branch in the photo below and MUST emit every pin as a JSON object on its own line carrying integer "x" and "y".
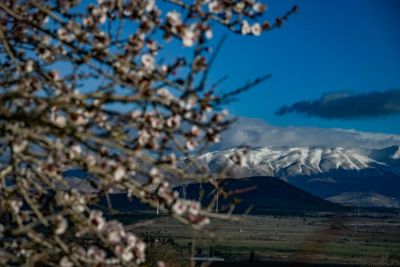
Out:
{"x": 84, "y": 85}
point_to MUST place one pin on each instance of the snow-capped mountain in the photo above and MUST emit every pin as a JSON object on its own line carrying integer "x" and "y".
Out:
{"x": 323, "y": 171}
{"x": 291, "y": 161}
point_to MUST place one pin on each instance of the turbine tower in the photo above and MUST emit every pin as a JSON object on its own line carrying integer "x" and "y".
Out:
{"x": 216, "y": 190}
{"x": 183, "y": 192}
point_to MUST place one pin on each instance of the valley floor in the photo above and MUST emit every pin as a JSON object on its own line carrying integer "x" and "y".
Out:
{"x": 364, "y": 240}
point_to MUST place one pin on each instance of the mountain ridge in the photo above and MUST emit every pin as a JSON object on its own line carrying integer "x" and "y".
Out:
{"x": 289, "y": 161}
{"x": 322, "y": 171}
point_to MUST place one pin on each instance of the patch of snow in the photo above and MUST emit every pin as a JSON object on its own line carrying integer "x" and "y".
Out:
{"x": 397, "y": 154}
{"x": 289, "y": 161}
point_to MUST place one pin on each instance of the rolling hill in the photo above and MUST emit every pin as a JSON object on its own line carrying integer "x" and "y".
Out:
{"x": 259, "y": 194}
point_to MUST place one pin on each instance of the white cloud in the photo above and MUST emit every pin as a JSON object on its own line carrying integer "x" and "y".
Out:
{"x": 256, "y": 132}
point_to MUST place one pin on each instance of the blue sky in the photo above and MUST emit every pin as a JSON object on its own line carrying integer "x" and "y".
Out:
{"x": 329, "y": 46}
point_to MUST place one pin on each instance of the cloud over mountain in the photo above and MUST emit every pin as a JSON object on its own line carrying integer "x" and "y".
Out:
{"x": 256, "y": 132}
{"x": 344, "y": 105}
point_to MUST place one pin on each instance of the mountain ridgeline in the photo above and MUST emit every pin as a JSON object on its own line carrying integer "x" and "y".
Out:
{"x": 323, "y": 171}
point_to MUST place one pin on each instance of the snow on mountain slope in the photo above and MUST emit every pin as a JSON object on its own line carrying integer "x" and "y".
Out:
{"x": 396, "y": 155}
{"x": 365, "y": 199}
{"x": 288, "y": 161}
{"x": 389, "y": 155}
{"x": 322, "y": 171}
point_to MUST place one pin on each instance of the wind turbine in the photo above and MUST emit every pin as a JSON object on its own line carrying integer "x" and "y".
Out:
{"x": 183, "y": 192}
{"x": 217, "y": 202}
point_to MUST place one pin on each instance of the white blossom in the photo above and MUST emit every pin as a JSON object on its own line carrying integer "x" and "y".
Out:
{"x": 216, "y": 138}
{"x": 259, "y": 7}
{"x": 100, "y": 13}
{"x": 114, "y": 232}
{"x": 174, "y": 121}
{"x": 140, "y": 249}
{"x": 190, "y": 145}
{"x": 150, "y": 5}
{"x": 165, "y": 93}
{"x": 65, "y": 262}
{"x": 97, "y": 220}
{"x": 119, "y": 173}
{"x": 60, "y": 120}
{"x": 90, "y": 160}
{"x": 19, "y": 146}
{"x": 96, "y": 255}
{"x": 144, "y": 137}
{"x": 15, "y": 205}
{"x": 148, "y": 61}
{"x": 194, "y": 208}
{"x": 209, "y": 34}
{"x": 127, "y": 255}
{"x": 156, "y": 175}
{"x": 214, "y": 6}
{"x": 64, "y": 35}
{"x": 174, "y": 18}
{"x": 188, "y": 37}
{"x": 75, "y": 151}
{"x": 245, "y": 28}
{"x": 61, "y": 225}
{"x": 179, "y": 207}
{"x": 131, "y": 241}
{"x": 29, "y": 66}
{"x": 195, "y": 131}
{"x": 256, "y": 29}
{"x": 239, "y": 7}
